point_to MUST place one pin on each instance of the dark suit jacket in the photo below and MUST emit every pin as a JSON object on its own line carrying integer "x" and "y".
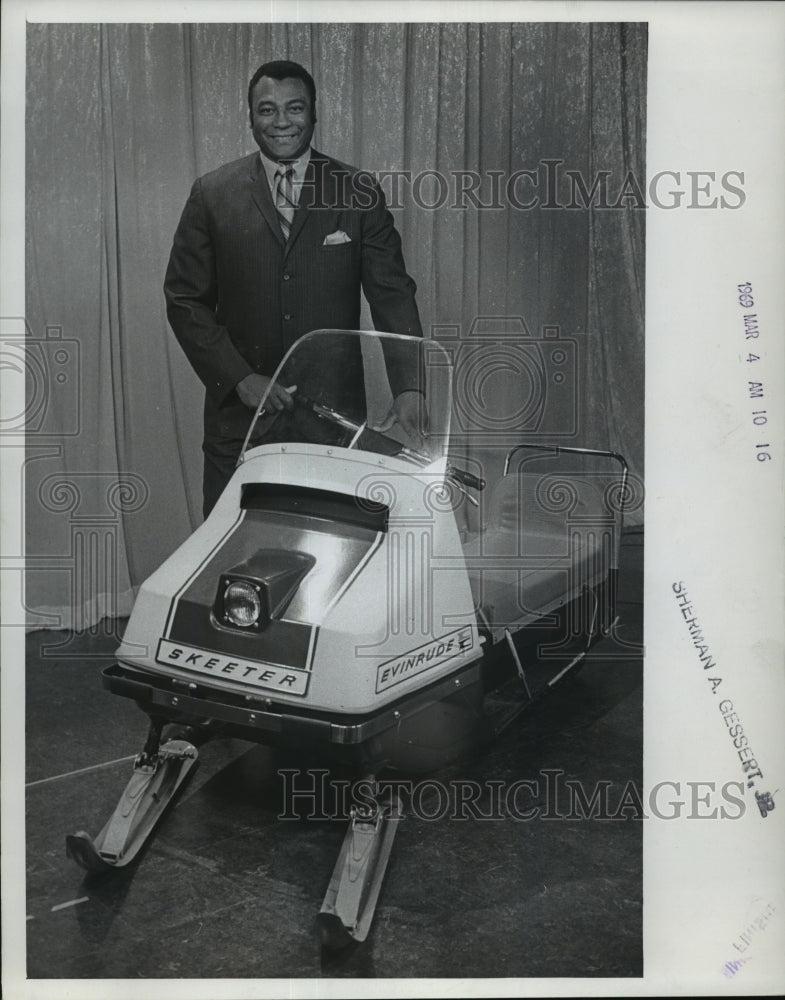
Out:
{"x": 238, "y": 297}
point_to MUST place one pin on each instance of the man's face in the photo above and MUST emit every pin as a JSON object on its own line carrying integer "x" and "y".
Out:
{"x": 282, "y": 117}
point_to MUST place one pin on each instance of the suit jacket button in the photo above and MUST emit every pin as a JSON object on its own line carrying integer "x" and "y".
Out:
{"x": 286, "y": 277}
{"x": 287, "y": 315}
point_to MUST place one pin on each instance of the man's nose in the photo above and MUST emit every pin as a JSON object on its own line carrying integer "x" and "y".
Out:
{"x": 281, "y": 117}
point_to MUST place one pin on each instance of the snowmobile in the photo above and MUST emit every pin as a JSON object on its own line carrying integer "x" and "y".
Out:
{"x": 351, "y": 597}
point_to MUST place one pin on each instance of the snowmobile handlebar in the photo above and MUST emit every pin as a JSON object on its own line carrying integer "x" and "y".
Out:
{"x": 465, "y": 478}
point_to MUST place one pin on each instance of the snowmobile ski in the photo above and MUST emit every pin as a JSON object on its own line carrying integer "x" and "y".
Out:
{"x": 155, "y": 781}
{"x": 350, "y": 901}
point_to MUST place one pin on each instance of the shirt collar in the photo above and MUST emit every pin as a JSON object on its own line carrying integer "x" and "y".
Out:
{"x": 300, "y": 166}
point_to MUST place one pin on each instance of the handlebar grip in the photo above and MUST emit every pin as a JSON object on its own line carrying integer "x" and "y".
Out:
{"x": 465, "y": 478}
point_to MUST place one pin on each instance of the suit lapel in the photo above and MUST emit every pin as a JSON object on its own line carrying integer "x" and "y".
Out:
{"x": 260, "y": 192}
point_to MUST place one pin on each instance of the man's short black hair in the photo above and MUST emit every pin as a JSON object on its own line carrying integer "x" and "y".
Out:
{"x": 283, "y": 69}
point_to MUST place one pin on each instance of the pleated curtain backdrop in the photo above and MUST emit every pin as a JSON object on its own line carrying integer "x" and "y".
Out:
{"x": 122, "y": 118}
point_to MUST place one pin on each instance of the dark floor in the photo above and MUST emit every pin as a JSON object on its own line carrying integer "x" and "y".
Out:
{"x": 226, "y": 889}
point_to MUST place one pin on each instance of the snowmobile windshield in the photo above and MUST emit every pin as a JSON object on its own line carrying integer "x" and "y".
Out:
{"x": 368, "y": 391}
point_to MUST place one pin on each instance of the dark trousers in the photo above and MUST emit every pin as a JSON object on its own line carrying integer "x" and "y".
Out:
{"x": 218, "y": 470}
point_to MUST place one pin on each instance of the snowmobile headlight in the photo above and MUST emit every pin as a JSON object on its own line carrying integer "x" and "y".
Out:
{"x": 242, "y": 604}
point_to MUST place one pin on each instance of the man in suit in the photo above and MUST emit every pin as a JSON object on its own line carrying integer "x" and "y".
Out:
{"x": 270, "y": 247}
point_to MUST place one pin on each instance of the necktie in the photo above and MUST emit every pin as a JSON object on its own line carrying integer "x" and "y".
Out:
{"x": 284, "y": 197}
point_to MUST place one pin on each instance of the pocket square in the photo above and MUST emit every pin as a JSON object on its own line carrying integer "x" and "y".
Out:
{"x": 339, "y": 236}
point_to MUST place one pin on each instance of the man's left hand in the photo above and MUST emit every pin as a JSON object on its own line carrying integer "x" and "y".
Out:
{"x": 409, "y": 410}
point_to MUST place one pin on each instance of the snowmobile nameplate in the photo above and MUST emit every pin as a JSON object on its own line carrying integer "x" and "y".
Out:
{"x": 431, "y": 654}
{"x": 256, "y": 673}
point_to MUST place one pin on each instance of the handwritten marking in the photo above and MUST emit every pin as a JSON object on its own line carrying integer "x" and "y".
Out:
{"x": 749, "y": 765}
{"x": 730, "y": 969}
{"x": 758, "y": 925}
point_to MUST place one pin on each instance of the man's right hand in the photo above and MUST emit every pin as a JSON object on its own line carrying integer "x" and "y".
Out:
{"x": 253, "y": 387}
